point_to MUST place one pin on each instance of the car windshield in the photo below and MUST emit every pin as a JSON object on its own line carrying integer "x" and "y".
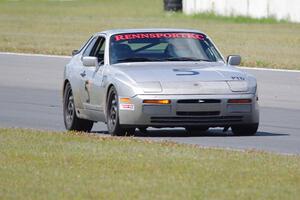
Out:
{"x": 153, "y": 47}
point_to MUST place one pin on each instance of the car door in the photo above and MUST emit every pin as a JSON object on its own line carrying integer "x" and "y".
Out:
{"x": 86, "y": 72}
{"x": 92, "y": 88}
{"x": 97, "y": 87}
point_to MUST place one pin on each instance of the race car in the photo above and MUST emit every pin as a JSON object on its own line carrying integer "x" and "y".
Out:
{"x": 141, "y": 78}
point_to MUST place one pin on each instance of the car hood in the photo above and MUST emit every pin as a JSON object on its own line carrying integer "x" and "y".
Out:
{"x": 179, "y": 71}
{"x": 182, "y": 77}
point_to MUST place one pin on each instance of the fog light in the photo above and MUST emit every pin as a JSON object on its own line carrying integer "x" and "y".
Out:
{"x": 240, "y": 101}
{"x": 157, "y": 101}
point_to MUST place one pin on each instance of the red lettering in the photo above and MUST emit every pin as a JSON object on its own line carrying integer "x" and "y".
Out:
{"x": 198, "y": 36}
{"x": 119, "y": 37}
{"x": 168, "y": 35}
{"x": 136, "y": 36}
{"x": 144, "y": 35}
{"x": 159, "y": 35}
{"x": 128, "y": 37}
{"x": 191, "y": 36}
{"x": 152, "y": 35}
{"x": 194, "y": 36}
{"x": 184, "y": 35}
{"x": 177, "y": 35}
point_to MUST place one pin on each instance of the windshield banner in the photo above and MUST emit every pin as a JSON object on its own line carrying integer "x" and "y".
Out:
{"x": 132, "y": 36}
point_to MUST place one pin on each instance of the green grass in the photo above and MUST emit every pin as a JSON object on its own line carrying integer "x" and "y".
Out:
{"x": 58, "y": 27}
{"x": 45, "y": 165}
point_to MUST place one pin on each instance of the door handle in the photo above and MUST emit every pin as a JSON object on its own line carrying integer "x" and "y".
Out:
{"x": 83, "y": 74}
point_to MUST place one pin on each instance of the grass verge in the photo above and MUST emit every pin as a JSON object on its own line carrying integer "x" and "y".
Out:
{"x": 58, "y": 27}
{"x": 45, "y": 165}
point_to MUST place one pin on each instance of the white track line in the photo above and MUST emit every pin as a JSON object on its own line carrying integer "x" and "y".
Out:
{"x": 58, "y": 56}
{"x": 33, "y": 55}
{"x": 270, "y": 69}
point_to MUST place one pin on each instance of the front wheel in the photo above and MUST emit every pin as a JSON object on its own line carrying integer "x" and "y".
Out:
{"x": 113, "y": 125}
{"x": 72, "y": 122}
{"x": 245, "y": 129}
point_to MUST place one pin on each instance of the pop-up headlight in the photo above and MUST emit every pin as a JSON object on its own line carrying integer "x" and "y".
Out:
{"x": 150, "y": 87}
{"x": 238, "y": 86}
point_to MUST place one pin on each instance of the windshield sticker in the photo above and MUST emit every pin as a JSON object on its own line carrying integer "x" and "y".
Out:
{"x": 133, "y": 36}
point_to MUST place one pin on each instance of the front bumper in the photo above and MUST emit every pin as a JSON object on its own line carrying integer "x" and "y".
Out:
{"x": 187, "y": 110}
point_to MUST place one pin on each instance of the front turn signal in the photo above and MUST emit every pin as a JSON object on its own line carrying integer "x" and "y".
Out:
{"x": 125, "y": 100}
{"x": 157, "y": 101}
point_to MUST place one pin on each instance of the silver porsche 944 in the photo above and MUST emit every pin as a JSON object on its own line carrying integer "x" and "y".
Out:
{"x": 140, "y": 78}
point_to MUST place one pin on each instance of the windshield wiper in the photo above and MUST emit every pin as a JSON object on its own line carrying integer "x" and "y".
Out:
{"x": 137, "y": 59}
{"x": 185, "y": 59}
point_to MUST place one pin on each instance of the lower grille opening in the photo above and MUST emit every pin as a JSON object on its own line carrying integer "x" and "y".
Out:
{"x": 186, "y": 101}
{"x": 190, "y": 119}
{"x": 202, "y": 113}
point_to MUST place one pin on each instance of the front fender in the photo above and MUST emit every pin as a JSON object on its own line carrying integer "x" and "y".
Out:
{"x": 125, "y": 86}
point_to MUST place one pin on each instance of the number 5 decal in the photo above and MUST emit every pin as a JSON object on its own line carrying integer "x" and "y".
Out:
{"x": 185, "y": 72}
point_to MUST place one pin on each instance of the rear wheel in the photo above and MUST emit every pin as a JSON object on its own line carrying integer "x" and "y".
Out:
{"x": 72, "y": 122}
{"x": 244, "y": 130}
{"x": 196, "y": 129}
{"x": 113, "y": 124}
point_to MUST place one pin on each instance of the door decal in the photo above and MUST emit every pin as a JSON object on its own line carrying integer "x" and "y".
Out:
{"x": 87, "y": 88}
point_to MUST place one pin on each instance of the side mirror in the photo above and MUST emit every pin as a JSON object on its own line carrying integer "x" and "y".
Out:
{"x": 74, "y": 52}
{"x": 90, "y": 61}
{"x": 234, "y": 60}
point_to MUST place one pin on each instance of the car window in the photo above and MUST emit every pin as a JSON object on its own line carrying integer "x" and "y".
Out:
{"x": 99, "y": 49}
{"x": 89, "y": 48}
{"x": 96, "y": 49}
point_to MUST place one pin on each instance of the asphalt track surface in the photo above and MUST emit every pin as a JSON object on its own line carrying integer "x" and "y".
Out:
{"x": 30, "y": 97}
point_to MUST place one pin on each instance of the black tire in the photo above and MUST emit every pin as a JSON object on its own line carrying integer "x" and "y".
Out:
{"x": 196, "y": 129}
{"x": 72, "y": 122}
{"x": 244, "y": 130}
{"x": 113, "y": 123}
{"x": 143, "y": 129}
